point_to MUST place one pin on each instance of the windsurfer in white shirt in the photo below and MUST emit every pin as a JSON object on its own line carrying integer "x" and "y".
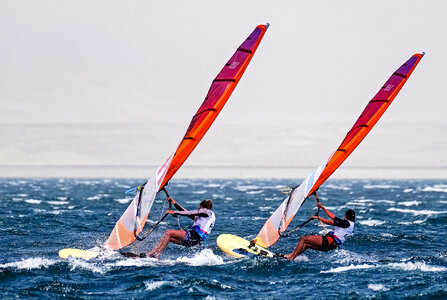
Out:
{"x": 342, "y": 229}
{"x": 204, "y": 219}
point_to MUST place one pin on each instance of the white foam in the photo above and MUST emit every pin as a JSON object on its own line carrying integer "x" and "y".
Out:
{"x": 443, "y": 202}
{"x": 345, "y": 257}
{"x": 440, "y": 188}
{"x": 245, "y": 188}
{"x": 417, "y": 266}
{"x": 348, "y": 268}
{"x": 96, "y": 197}
{"x": 380, "y": 186}
{"x": 254, "y": 192}
{"x": 57, "y": 202}
{"x": 212, "y": 185}
{"x": 265, "y": 208}
{"x": 337, "y": 187}
{"x": 155, "y": 285}
{"x": 90, "y": 266}
{"x": 418, "y": 212}
{"x": 301, "y": 258}
{"x": 199, "y": 192}
{"x": 33, "y": 201}
{"x": 123, "y": 200}
{"x": 410, "y": 203}
{"x": 377, "y": 287}
{"x": 419, "y": 221}
{"x": 372, "y": 222}
{"x": 30, "y": 263}
{"x": 205, "y": 257}
{"x": 386, "y": 234}
{"x": 408, "y": 190}
{"x": 358, "y": 203}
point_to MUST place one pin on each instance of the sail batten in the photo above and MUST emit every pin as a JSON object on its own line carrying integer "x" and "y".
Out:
{"x": 368, "y": 118}
{"x": 130, "y": 224}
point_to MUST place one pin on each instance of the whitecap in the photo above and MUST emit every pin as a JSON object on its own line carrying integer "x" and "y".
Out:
{"x": 301, "y": 258}
{"x": 372, "y": 222}
{"x": 90, "y": 266}
{"x": 377, "y": 287}
{"x": 348, "y": 268}
{"x": 205, "y": 257}
{"x": 417, "y": 266}
{"x": 199, "y": 192}
{"x": 386, "y": 201}
{"x": 380, "y": 186}
{"x": 337, "y": 187}
{"x": 254, "y": 192}
{"x": 30, "y": 263}
{"x": 410, "y": 203}
{"x": 96, "y": 197}
{"x": 245, "y": 188}
{"x": 265, "y": 208}
{"x": 33, "y": 201}
{"x": 442, "y": 202}
{"x": 212, "y": 185}
{"x": 57, "y": 202}
{"x": 355, "y": 203}
{"x": 419, "y": 221}
{"x": 155, "y": 284}
{"x": 417, "y": 212}
{"x": 408, "y": 190}
{"x": 123, "y": 200}
{"x": 440, "y": 188}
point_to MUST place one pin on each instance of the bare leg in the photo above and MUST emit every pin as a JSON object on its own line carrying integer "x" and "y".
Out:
{"x": 312, "y": 241}
{"x": 175, "y": 236}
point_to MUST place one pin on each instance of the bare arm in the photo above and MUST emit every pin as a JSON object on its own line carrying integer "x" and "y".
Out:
{"x": 176, "y": 205}
{"x": 328, "y": 213}
{"x": 325, "y": 221}
{"x": 191, "y": 213}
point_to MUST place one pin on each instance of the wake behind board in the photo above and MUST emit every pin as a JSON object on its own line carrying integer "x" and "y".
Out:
{"x": 240, "y": 247}
{"x": 77, "y": 253}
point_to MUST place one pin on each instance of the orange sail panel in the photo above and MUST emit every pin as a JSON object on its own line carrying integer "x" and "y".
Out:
{"x": 281, "y": 218}
{"x": 134, "y": 218}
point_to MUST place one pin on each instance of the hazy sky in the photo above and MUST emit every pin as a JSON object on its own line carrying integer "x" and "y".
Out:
{"x": 117, "y": 82}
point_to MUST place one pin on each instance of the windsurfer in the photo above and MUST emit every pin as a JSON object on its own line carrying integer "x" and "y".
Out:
{"x": 204, "y": 219}
{"x": 342, "y": 229}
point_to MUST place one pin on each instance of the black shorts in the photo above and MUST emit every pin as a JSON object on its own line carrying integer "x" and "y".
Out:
{"x": 192, "y": 238}
{"x": 329, "y": 243}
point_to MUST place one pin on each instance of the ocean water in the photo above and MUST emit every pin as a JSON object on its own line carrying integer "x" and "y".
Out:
{"x": 398, "y": 249}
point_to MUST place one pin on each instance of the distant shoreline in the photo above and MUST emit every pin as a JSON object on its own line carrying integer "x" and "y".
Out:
{"x": 195, "y": 172}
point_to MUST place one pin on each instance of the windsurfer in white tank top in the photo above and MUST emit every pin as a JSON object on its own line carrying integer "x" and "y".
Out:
{"x": 204, "y": 219}
{"x": 342, "y": 229}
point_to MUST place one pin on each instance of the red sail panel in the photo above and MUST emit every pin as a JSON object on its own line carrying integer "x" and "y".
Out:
{"x": 369, "y": 117}
{"x": 218, "y": 94}
{"x": 134, "y": 218}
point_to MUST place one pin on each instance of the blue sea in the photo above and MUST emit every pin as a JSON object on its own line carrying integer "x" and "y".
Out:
{"x": 398, "y": 249}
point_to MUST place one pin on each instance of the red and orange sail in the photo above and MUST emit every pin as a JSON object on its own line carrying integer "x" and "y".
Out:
{"x": 282, "y": 217}
{"x": 132, "y": 221}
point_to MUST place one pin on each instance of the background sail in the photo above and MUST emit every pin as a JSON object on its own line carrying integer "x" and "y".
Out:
{"x": 132, "y": 221}
{"x": 269, "y": 234}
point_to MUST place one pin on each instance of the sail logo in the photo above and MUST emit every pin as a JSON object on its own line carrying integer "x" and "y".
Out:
{"x": 233, "y": 65}
{"x": 389, "y": 87}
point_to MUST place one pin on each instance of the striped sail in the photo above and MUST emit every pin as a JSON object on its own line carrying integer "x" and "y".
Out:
{"x": 132, "y": 221}
{"x": 269, "y": 234}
